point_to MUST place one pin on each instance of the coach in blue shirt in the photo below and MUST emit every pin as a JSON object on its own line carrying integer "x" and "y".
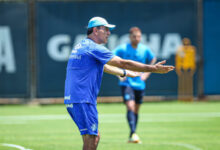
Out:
{"x": 85, "y": 67}
{"x": 133, "y": 88}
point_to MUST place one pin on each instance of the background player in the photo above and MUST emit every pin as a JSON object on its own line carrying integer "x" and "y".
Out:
{"x": 133, "y": 88}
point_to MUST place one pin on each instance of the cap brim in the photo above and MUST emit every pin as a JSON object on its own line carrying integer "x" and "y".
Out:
{"x": 110, "y": 26}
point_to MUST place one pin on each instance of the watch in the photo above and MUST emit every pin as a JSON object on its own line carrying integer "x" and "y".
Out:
{"x": 124, "y": 73}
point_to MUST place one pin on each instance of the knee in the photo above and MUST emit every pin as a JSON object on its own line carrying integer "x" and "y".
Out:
{"x": 98, "y": 138}
{"x": 131, "y": 106}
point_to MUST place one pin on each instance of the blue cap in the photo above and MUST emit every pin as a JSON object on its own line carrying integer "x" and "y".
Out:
{"x": 99, "y": 21}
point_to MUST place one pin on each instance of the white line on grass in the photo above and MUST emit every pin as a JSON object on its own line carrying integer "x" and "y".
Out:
{"x": 116, "y": 118}
{"x": 188, "y": 146}
{"x": 15, "y": 146}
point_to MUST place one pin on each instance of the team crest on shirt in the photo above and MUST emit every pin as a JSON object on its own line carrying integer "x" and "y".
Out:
{"x": 76, "y": 47}
{"x": 94, "y": 127}
{"x": 74, "y": 51}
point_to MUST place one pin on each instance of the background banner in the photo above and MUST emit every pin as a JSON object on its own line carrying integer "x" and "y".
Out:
{"x": 14, "y": 72}
{"x": 62, "y": 24}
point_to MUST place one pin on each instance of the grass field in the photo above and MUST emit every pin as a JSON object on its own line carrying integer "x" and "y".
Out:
{"x": 162, "y": 126}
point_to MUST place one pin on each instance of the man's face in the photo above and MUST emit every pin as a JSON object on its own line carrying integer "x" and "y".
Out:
{"x": 135, "y": 37}
{"x": 103, "y": 34}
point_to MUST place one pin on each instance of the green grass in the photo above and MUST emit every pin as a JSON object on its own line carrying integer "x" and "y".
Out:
{"x": 162, "y": 126}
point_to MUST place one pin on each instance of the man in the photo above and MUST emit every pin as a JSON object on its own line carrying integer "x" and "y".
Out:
{"x": 185, "y": 68}
{"x": 133, "y": 88}
{"x": 85, "y": 68}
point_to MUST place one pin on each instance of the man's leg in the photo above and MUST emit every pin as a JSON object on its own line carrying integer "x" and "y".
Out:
{"x": 139, "y": 94}
{"x": 136, "y": 111}
{"x": 90, "y": 142}
{"x": 130, "y": 105}
{"x": 132, "y": 114}
{"x": 129, "y": 100}
{"x": 85, "y": 116}
{"x": 133, "y": 138}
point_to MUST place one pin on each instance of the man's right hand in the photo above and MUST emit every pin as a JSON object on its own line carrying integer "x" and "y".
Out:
{"x": 160, "y": 68}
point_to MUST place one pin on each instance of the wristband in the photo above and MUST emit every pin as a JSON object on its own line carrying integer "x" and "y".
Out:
{"x": 124, "y": 71}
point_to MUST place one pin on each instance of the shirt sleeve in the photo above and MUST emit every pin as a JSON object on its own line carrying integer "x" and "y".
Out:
{"x": 102, "y": 54}
{"x": 150, "y": 56}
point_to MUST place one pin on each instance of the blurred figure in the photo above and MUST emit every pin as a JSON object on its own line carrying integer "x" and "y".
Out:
{"x": 185, "y": 69}
{"x": 133, "y": 88}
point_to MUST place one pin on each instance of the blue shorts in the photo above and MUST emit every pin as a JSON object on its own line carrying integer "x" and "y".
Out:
{"x": 85, "y": 116}
{"x": 130, "y": 94}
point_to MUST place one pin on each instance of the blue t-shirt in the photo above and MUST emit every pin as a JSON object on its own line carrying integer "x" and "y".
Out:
{"x": 84, "y": 72}
{"x": 141, "y": 54}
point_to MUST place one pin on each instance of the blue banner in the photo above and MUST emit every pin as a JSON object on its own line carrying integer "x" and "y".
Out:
{"x": 211, "y": 47}
{"x": 62, "y": 24}
{"x": 14, "y": 70}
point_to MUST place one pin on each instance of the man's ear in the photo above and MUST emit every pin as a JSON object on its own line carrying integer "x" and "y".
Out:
{"x": 95, "y": 30}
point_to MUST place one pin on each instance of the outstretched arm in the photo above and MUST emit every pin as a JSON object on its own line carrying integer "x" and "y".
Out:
{"x": 146, "y": 75}
{"x": 120, "y": 72}
{"x": 140, "y": 67}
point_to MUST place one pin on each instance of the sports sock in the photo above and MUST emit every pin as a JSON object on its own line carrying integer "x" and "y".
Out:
{"x": 136, "y": 120}
{"x": 131, "y": 121}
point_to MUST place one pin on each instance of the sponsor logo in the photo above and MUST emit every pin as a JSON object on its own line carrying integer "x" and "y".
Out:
{"x": 163, "y": 46}
{"x": 83, "y": 129}
{"x": 7, "y": 57}
{"x": 67, "y": 97}
{"x": 93, "y": 127}
{"x": 69, "y": 105}
{"x": 75, "y": 57}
